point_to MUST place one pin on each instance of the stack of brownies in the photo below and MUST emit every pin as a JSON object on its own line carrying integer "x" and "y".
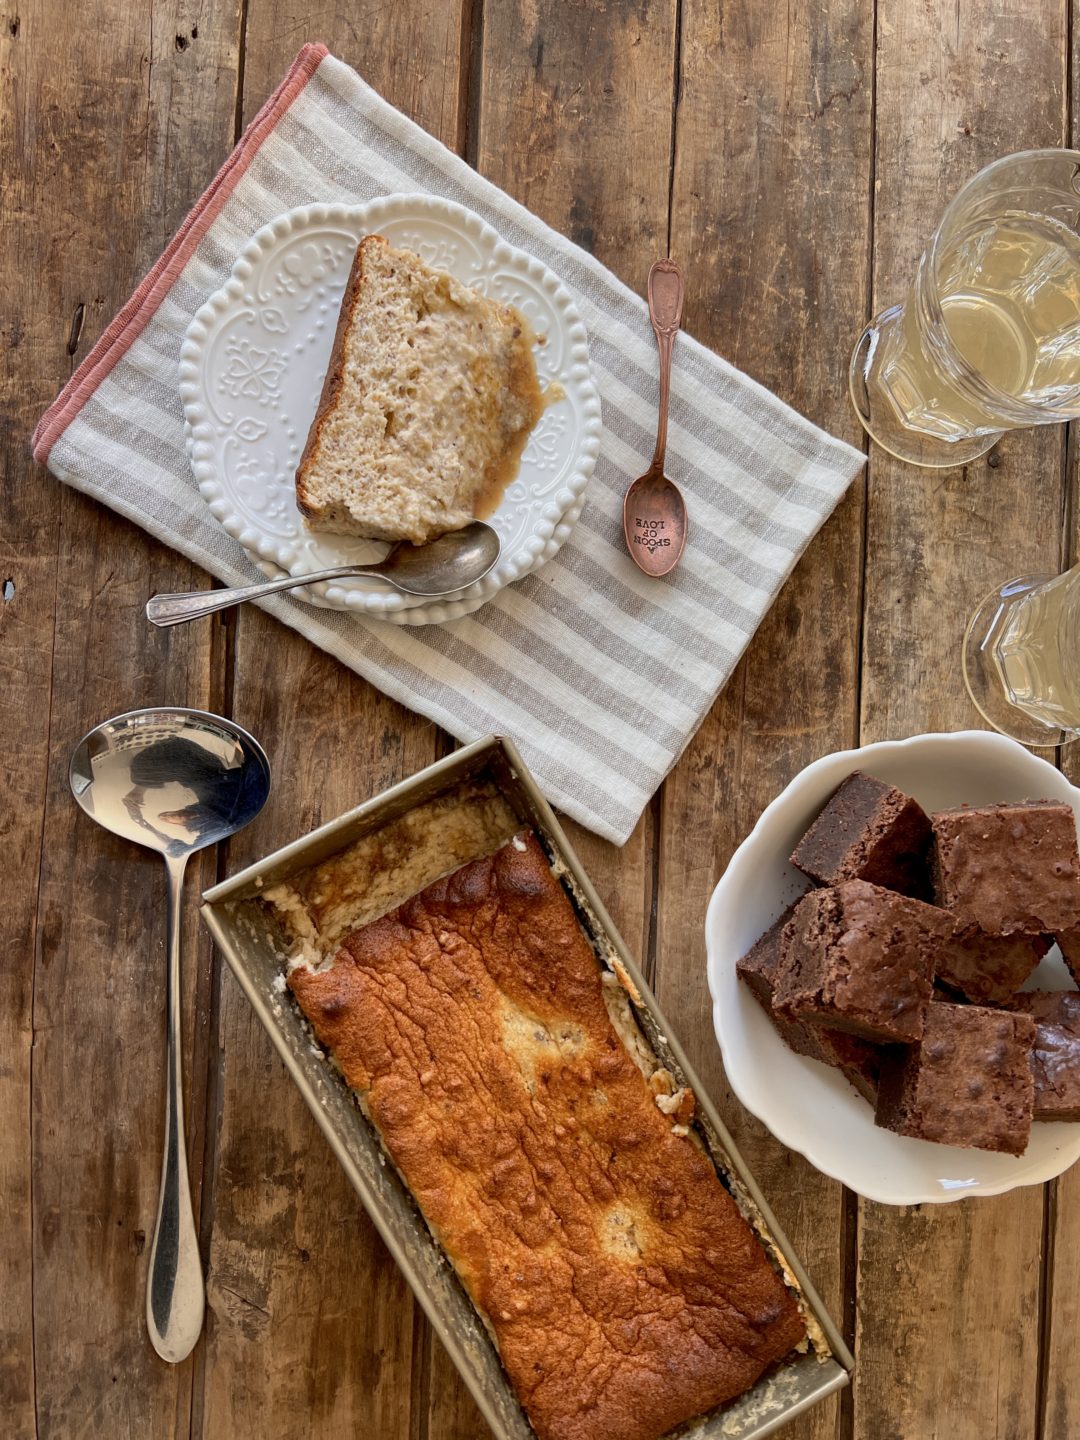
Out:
{"x": 902, "y": 969}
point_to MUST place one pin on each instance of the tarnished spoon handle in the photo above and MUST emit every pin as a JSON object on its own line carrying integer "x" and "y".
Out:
{"x": 174, "y": 1287}
{"x": 165, "y": 610}
{"x": 666, "y": 290}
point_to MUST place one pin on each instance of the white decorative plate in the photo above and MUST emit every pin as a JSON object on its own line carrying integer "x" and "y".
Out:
{"x": 805, "y": 1104}
{"x": 252, "y": 367}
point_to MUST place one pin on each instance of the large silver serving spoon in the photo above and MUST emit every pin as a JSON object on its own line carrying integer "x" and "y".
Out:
{"x": 453, "y": 561}
{"x": 174, "y": 781}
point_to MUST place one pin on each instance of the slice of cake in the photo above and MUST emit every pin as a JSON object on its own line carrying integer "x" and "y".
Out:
{"x": 968, "y": 1082}
{"x": 869, "y": 831}
{"x": 429, "y": 398}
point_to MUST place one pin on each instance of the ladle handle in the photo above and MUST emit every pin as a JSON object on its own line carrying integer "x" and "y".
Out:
{"x": 175, "y": 1297}
{"x": 166, "y": 610}
{"x": 666, "y": 291}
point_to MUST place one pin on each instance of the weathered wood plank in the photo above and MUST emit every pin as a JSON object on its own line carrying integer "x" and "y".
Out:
{"x": 1059, "y": 1391}
{"x": 29, "y": 529}
{"x": 1061, "y": 1400}
{"x": 573, "y": 120}
{"x": 101, "y": 182}
{"x": 956, "y": 88}
{"x": 772, "y": 226}
{"x": 312, "y": 1329}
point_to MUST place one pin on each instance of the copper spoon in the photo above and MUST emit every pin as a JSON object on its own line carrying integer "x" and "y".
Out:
{"x": 654, "y": 512}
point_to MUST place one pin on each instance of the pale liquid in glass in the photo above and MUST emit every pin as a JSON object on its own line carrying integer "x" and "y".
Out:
{"x": 1009, "y": 290}
{"x": 1038, "y": 652}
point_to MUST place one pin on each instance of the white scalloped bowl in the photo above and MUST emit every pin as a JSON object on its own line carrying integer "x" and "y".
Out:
{"x": 251, "y": 372}
{"x": 808, "y": 1106}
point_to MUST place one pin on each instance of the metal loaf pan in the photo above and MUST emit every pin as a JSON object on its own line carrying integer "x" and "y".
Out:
{"x": 248, "y": 937}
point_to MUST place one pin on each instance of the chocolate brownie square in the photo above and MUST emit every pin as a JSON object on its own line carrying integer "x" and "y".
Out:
{"x": 859, "y": 958}
{"x": 757, "y": 969}
{"x": 989, "y": 969}
{"x": 1055, "y": 1060}
{"x": 1069, "y": 945}
{"x": 967, "y": 1082}
{"x": 869, "y": 831}
{"x": 857, "y": 1059}
{"x": 1009, "y": 869}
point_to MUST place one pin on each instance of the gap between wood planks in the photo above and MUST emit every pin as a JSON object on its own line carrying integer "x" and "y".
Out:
{"x": 849, "y": 1238}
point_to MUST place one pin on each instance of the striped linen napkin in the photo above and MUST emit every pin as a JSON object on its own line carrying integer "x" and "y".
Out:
{"x": 599, "y": 674}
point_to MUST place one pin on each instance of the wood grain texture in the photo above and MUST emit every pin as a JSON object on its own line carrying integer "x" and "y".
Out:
{"x": 1059, "y": 1389}
{"x": 90, "y": 130}
{"x": 955, "y": 88}
{"x": 1060, "y": 1417}
{"x": 571, "y": 89}
{"x": 114, "y": 118}
{"x": 770, "y": 215}
{"x": 574, "y": 121}
{"x": 34, "y": 358}
{"x": 312, "y": 1329}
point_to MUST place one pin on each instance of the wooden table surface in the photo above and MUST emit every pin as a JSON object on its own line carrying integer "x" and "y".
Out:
{"x": 795, "y": 159}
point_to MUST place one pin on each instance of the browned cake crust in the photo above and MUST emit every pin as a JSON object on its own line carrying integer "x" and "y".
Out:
{"x": 625, "y": 1291}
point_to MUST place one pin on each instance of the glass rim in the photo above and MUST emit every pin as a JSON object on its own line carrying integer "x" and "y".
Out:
{"x": 969, "y": 380}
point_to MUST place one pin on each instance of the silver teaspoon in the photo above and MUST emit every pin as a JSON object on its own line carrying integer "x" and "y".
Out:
{"x": 441, "y": 567}
{"x": 174, "y": 781}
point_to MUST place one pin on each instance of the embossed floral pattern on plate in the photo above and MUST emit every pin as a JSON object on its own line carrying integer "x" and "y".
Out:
{"x": 253, "y": 364}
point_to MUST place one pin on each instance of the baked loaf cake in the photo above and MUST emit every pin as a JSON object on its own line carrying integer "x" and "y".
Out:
{"x": 623, "y": 1288}
{"x": 428, "y": 400}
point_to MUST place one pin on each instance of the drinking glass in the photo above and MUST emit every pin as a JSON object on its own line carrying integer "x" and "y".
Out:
{"x": 988, "y": 338}
{"x": 1022, "y": 658}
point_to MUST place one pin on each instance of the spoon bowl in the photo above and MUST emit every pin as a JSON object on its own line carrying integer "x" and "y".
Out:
{"x": 443, "y": 566}
{"x": 173, "y": 781}
{"x": 654, "y": 512}
{"x": 654, "y": 522}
